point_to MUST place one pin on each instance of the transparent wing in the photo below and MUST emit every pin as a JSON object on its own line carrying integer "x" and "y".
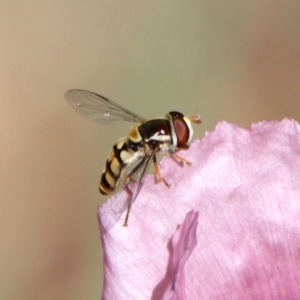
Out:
{"x": 138, "y": 175}
{"x": 98, "y": 108}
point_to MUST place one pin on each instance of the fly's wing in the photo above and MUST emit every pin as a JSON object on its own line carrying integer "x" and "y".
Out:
{"x": 98, "y": 108}
{"x": 111, "y": 213}
{"x": 138, "y": 175}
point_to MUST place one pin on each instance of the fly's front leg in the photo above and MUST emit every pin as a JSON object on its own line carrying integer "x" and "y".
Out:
{"x": 179, "y": 158}
{"x": 157, "y": 173}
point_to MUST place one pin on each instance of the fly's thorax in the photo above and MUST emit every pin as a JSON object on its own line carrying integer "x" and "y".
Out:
{"x": 156, "y": 130}
{"x": 181, "y": 128}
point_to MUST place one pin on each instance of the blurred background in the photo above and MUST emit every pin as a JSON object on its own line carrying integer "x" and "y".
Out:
{"x": 237, "y": 61}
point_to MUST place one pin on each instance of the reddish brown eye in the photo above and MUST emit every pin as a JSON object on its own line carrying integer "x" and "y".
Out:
{"x": 181, "y": 131}
{"x": 180, "y": 127}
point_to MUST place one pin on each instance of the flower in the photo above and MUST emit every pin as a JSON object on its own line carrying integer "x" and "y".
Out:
{"x": 245, "y": 186}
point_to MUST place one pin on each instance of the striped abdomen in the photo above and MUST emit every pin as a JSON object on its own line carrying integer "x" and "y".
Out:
{"x": 123, "y": 153}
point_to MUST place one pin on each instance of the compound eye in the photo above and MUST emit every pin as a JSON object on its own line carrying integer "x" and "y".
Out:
{"x": 181, "y": 128}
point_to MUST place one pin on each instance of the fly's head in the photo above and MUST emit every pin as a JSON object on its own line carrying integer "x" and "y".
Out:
{"x": 181, "y": 128}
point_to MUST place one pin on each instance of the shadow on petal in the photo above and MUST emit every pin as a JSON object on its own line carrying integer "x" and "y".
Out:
{"x": 183, "y": 242}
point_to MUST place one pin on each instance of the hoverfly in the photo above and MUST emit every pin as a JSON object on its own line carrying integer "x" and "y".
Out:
{"x": 130, "y": 158}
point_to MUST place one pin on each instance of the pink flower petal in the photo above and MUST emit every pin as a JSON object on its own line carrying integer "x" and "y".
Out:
{"x": 245, "y": 184}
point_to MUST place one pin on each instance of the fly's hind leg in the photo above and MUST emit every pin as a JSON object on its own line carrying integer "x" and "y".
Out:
{"x": 129, "y": 178}
{"x": 129, "y": 201}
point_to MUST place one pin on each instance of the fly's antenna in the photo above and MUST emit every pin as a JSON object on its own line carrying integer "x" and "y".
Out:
{"x": 195, "y": 119}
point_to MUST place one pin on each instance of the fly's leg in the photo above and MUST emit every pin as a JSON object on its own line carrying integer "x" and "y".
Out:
{"x": 157, "y": 173}
{"x": 129, "y": 202}
{"x": 129, "y": 178}
{"x": 179, "y": 158}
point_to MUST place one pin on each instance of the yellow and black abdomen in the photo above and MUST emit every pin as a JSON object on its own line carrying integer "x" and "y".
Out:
{"x": 125, "y": 152}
